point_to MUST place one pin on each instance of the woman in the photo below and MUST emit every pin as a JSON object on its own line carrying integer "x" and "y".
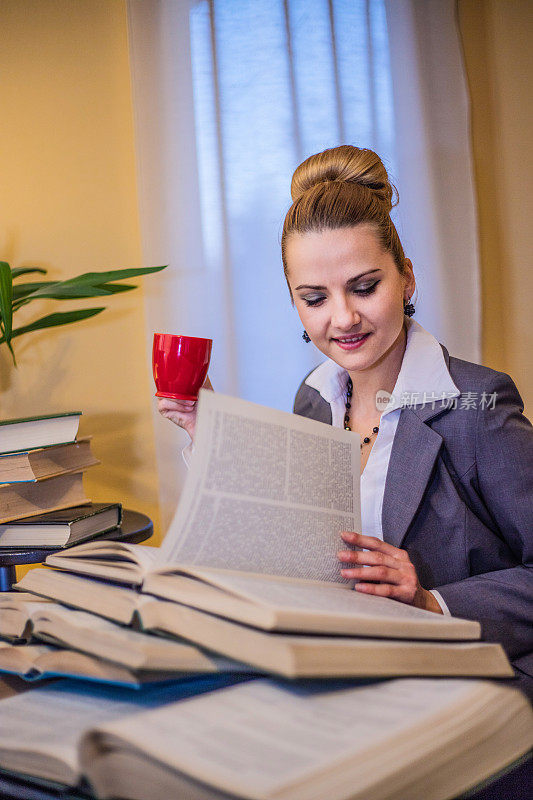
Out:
{"x": 447, "y": 456}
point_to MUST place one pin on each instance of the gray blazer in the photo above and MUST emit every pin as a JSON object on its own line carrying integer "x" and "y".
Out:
{"x": 459, "y": 499}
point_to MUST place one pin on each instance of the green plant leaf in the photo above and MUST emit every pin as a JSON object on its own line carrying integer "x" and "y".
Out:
{"x": 6, "y": 300}
{"x": 90, "y": 284}
{"x": 66, "y": 291}
{"x": 22, "y": 289}
{"x": 100, "y": 278}
{"x": 12, "y": 353}
{"x": 116, "y": 288}
{"x": 52, "y": 320}
{"x": 17, "y": 271}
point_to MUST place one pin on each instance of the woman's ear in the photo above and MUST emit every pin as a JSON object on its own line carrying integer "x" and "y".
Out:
{"x": 409, "y": 276}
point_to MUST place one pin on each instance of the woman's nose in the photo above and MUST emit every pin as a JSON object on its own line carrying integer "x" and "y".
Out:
{"x": 344, "y": 315}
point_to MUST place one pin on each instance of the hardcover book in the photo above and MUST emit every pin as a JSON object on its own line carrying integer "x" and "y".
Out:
{"x": 30, "y": 432}
{"x": 61, "y": 528}
{"x": 19, "y": 500}
{"x": 46, "y": 462}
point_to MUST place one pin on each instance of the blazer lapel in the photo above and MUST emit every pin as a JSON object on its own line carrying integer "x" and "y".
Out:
{"x": 412, "y": 459}
{"x": 309, "y": 403}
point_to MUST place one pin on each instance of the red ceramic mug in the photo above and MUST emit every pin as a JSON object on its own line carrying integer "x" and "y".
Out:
{"x": 180, "y": 365}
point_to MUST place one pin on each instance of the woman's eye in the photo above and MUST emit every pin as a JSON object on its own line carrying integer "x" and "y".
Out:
{"x": 361, "y": 290}
{"x": 315, "y": 300}
{"x": 366, "y": 288}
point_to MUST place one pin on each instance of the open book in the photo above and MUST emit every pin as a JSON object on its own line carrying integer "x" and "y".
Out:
{"x": 268, "y": 494}
{"x": 41, "y": 729}
{"x": 253, "y": 548}
{"x": 34, "y": 662}
{"x": 282, "y": 653}
{"x": 416, "y": 739}
{"x": 90, "y": 634}
{"x": 83, "y": 645}
{"x": 420, "y": 739}
{"x": 299, "y": 655}
{"x": 117, "y": 603}
{"x": 15, "y": 614}
{"x": 263, "y": 601}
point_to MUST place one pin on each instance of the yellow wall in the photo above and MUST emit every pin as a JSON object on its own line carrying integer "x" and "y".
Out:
{"x": 497, "y": 38}
{"x": 69, "y": 203}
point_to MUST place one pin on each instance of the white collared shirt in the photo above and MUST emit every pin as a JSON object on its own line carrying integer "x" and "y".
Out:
{"x": 423, "y": 376}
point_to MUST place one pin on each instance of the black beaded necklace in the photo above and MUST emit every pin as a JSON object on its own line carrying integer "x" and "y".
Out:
{"x": 375, "y": 429}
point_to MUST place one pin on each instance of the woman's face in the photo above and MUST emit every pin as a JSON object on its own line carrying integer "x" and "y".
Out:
{"x": 349, "y": 294}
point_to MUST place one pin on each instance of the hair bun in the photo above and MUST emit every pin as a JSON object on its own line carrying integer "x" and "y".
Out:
{"x": 346, "y": 164}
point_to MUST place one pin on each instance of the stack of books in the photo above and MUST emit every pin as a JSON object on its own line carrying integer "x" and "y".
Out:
{"x": 247, "y": 584}
{"x": 162, "y": 717}
{"x": 42, "y": 639}
{"x": 42, "y": 499}
{"x": 180, "y": 721}
{"x": 249, "y": 571}
{"x": 292, "y": 628}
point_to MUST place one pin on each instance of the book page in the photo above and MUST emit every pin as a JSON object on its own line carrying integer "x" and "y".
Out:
{"x": 16, "y": 609}
{"x": 119, "y": 554}
{"x": 50, "y": 720}
{"x": 18, "y": 599}
{"x": 15, "y": 623}
{"x": 20, "y": 659}
{"x": 259, "y": 737}
{"x": 307, "y": 596}
{"x": 267, "y": 492}
{"x": 129, "y": 648}
{"x": 88, "y": 593}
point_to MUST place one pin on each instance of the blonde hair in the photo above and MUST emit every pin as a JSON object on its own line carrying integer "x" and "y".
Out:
{"x": 340, "y": 188}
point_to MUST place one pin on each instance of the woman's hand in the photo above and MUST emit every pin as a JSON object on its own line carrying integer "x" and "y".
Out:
{"x": 389, "y": 570}
{"x": 181, "y": 412}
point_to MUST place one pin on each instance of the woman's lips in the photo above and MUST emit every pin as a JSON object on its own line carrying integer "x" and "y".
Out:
{"x": 351, "y": 342}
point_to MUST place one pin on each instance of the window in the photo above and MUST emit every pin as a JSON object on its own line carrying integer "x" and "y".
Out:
{"x": 273, "y": 83}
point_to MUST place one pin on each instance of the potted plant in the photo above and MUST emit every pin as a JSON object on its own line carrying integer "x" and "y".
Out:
{"x": 15, "y": 294}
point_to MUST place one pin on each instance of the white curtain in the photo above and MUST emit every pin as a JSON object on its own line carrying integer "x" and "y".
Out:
{"x": 229, "y": 96}
{"x": 437, "y": 213}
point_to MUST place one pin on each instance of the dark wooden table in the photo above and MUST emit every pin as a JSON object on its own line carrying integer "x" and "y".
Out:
{"x": 135, "y": 528}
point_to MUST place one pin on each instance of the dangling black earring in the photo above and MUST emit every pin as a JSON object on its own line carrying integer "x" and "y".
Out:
{"x": 408, "y": 309}
{"x": 306, "y": 337}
